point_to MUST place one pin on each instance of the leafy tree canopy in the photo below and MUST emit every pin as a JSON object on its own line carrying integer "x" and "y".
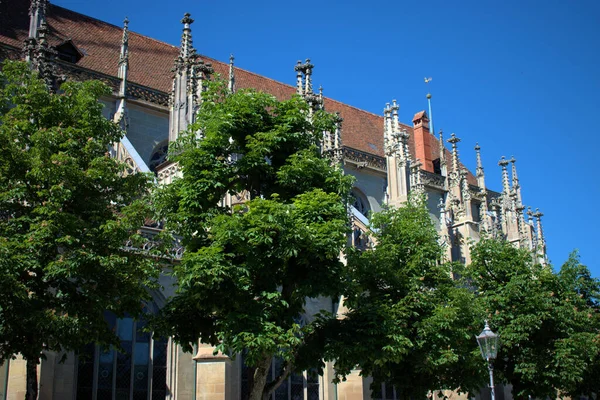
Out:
{"x": 65, "y": 214}
{"x": 413, "y": 320}
{"x": 549, "y": 323}
{"x": 248, "y": 269}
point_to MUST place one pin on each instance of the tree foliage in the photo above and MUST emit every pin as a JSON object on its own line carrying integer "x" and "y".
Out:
{"x": 248, "y": 269}
{"x": 549, "y": 323}
{"x": 65, "y": 214}
{"x": 413, "y": 320}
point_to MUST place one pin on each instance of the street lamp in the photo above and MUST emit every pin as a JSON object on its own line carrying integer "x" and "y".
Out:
{"x": 488, "y": 344}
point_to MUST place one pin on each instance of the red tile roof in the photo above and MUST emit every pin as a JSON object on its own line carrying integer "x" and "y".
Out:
{"x": 150, "y": 63}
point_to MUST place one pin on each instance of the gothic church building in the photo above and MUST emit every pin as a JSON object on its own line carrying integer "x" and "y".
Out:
{"x": 154, "y": 98}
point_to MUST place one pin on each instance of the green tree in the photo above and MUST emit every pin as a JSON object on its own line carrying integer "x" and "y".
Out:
{"x": 247, "y": 270}
{"x": 65, "y": 214}
{"x": 549, "y": 324}
{"x": 414, "y": 321}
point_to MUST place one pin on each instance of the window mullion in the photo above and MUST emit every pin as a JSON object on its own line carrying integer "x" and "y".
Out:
{"x": 150, "y": 366}
{"x": 96, "y": 371}
{"x": 115, "y": 356}
{"x": 132, "y": 365}
{"x": 305, "y": 384}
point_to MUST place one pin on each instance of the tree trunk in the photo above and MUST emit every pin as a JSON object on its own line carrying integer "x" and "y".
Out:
{"x": 260, "y": 379}
{"x": 32, "y": 379}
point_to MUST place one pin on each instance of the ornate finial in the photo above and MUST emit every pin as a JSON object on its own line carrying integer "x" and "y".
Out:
{"x": 454, "y": 141}
{"x": 505, "y": 183}
{"x": 187, "y": 20}
{"x": 187, "y": 49}
{"x": 231, "y": 74}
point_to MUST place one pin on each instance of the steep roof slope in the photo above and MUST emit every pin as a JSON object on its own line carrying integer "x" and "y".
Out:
{"x": 151, "y": 61}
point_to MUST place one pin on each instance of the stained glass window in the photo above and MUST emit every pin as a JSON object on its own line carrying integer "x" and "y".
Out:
{"x": 137, "y": 373}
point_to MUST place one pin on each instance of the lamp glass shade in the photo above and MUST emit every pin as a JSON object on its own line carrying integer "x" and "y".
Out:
{"x": 488, "y": 343}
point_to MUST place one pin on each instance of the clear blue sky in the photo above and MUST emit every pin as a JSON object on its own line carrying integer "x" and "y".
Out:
{"x": 519, "y": 77}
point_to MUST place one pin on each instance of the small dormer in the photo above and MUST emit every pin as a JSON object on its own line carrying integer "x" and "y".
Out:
{"x": 68, "y": 52}
{"x": 421, "y": 120}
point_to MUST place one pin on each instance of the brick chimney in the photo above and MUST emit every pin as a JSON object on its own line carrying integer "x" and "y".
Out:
{"x": 423, "y": 140}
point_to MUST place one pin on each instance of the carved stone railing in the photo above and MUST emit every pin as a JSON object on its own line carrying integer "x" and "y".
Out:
{"x": 363, "y": 159}
{"x": 134, "y": 90}
{"x": 127, "y": 154}
{"x": 167, "y": 172}
{"x": 154, "y": 247}
{"x": 431, "y": 180}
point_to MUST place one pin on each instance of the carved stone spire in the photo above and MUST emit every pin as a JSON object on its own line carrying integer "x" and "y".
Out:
{"x": 43, "y": 59}
{"x": 454, "y": 141}
{"x": 443, "y": 162}
{"x": 183, "y": 83}
{"x": 540, "y": 233}
{"x": 37, "y": 15}
{"x": 299, "y": 80}
{"x": 397, "y": 156}
{"x": 395, "y": 121}
{"x": 308, "y": 76}
{"x": 387, "y": 130}
{"x": 120, "y": 114}
{"x": 304, "y": 86}
{"x": 479, "y": 170}
{"x": 231, "y": 75}
{"x": 124, "y": 58}
{"x": 187, "y": 50}
{"x": 337, "y": 150}
{"x": 505, "y": 182}
{"x": 541, "y": 242}
{"x": 515, "y": 181}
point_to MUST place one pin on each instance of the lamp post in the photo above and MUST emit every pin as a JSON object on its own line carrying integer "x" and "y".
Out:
{"x": 488, "y": 344}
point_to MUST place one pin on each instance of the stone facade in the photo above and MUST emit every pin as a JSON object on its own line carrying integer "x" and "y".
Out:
{"x": 389, "y": 159}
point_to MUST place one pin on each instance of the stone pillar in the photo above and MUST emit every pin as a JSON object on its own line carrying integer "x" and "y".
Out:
{"x": 213, "y": 375}
{"x": 17, "y": 379}
{"x": 355, "y": 387}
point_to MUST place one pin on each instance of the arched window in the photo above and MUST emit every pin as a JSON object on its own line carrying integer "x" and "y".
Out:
{"x": 159, "y": 155}
{"x": 138, "y": 373}
{"x": 360, "y": 201}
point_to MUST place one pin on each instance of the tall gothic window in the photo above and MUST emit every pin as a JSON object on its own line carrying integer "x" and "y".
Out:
{"x": 137, "y": 373}
{"x": 303, "y": 386}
